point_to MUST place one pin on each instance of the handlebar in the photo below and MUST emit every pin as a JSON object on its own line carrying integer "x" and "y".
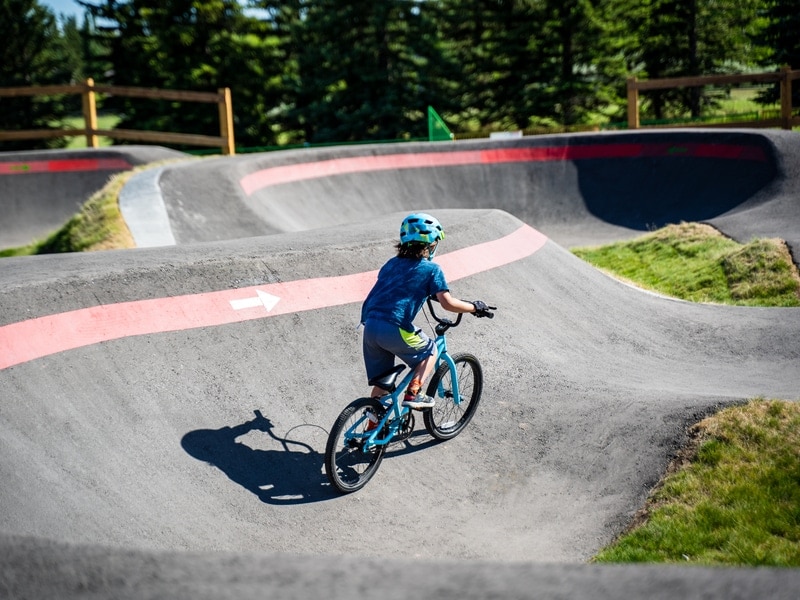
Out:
{"x": 443, "y": 322}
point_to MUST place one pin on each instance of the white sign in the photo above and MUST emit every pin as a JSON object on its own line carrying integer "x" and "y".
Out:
{"x": 505, "y": 135}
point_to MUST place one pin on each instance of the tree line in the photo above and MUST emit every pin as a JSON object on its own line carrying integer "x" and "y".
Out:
{"x": 322, "y": 71}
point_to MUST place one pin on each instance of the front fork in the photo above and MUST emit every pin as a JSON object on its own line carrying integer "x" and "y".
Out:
{"x": 452, "y": 394}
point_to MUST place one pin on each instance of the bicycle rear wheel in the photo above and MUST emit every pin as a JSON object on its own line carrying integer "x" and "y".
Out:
{"x": 447, "y": 419}
{"x": 347, "y": 465}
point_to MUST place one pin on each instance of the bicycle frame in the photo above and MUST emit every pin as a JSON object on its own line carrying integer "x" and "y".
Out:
{"x": 395, "y": 409}
{"x": 394, "y": 405}
{"x": 444, "y": 356}
{"x": 364, "y": 429}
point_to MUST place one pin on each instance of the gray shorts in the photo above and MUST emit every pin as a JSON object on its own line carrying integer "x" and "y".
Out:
{"x": 383, "y": 341}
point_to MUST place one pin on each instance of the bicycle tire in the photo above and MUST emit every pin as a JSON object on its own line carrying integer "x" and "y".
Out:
{"x": 347, "y": 466}
{"x": 447, "y": 419}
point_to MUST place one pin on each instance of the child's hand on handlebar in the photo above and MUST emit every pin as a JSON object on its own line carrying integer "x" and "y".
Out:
{"x": 482, "y": 309}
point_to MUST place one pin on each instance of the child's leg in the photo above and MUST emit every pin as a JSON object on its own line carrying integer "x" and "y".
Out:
{"x": 377, "y": 359}
{"x": 421, "y": 374}
{"x": 384, "y": 341}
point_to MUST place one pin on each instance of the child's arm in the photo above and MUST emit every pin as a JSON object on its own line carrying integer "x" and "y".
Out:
{"x": 455, "y": 305}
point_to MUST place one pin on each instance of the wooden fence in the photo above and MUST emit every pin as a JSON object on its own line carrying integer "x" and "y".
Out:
{"x": 785, "y": 77}
{"x": 89, "y": 90}
{"x": 222, "y": 98}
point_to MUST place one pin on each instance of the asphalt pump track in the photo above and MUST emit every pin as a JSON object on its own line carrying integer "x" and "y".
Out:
{"x": 164, "y": 409}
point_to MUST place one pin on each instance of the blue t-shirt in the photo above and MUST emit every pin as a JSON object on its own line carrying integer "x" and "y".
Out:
{"x": 403, "y": 286}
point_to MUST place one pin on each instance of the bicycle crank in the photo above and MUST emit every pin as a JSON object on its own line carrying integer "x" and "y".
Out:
{"x": 406, "y": 427}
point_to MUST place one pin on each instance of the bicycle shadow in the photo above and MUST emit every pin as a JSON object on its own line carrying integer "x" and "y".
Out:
{"x": 410, "y": 445}
{"x": 278, "y": 470}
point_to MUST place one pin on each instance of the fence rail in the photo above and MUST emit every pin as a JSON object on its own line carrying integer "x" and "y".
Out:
{"x": 225, "y": 141}
{"x": 784, "y": 77}
{"x": 88, "y": 90}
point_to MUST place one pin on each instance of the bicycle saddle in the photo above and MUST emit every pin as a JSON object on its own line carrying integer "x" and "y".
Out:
{"x": 387, "y": 381}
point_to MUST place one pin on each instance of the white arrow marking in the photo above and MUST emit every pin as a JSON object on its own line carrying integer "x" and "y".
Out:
{"x": 264, "y": 299}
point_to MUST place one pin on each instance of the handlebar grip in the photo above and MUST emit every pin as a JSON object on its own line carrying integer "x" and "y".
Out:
{"x": 482, "y": 309}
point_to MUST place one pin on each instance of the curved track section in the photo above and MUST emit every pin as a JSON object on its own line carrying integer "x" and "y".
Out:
{"x": 40, "y": 190}
{"x": 209, "y": 437}
{"x": 577, "y": 189}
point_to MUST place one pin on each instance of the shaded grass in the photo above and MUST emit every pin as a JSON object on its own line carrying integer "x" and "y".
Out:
{"x": 97, "y": 226}
{"x": 695, "y": 262}
{"x": 733, "y": 498}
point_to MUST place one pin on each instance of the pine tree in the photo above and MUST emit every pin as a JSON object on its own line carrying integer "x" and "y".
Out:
{"x": 538, "y": 61}
{"x": 31, "y": 55}
{"x": 587, "y": 43}
{"x": 692, "y": 38}
{"x": 365, "y": 70}
{"x": 189, "y": 45}
{"x": 781, "y": 38}
{"x": 494, "y": 48}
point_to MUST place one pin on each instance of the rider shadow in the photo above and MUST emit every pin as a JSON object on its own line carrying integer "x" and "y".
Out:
{"x": 282, "y": 471}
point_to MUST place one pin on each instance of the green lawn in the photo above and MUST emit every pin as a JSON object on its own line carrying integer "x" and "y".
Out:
{"x": 695, "y": 262}
{"x": 733, "y": 499}
{"x": 103, "y": 122}
{"x": 733, "y": 496}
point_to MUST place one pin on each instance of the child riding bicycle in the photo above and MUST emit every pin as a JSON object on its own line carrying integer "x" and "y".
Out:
{"x": 404, "y": 283}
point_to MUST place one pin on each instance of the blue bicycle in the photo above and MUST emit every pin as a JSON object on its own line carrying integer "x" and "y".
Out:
{"x": 363, "y": 430}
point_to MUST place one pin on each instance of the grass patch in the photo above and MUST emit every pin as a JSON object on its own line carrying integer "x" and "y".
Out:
{"x": 733, "y": 498}
{"x": 106, "y": 122}
{"x": 97, "y": 226}
{"x": 743, "y": 100}
{"x": 695, "y": 262}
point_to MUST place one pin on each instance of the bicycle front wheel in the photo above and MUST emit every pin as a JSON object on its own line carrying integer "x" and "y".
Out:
{"x": 448, "y": 417}
{"x": 348, "y": 466}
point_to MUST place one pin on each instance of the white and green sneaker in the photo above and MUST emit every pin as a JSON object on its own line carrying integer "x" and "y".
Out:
{"x": 420, "y": 402}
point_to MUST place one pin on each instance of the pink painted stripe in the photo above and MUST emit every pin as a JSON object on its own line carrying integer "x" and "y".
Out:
{"x": 63, "y": 165}
{"x": 43, "y": 336}
{"x": 340, "y": 166}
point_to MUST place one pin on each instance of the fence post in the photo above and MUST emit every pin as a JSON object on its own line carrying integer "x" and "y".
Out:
{"x": 633, "y": 104}
{"x": 226, "y": 121}
{"x": 786, "y": 98}
{"x": 90, "y": 113}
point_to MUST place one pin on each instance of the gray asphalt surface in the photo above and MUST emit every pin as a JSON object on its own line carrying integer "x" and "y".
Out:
{"x": 189, "y": 463}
